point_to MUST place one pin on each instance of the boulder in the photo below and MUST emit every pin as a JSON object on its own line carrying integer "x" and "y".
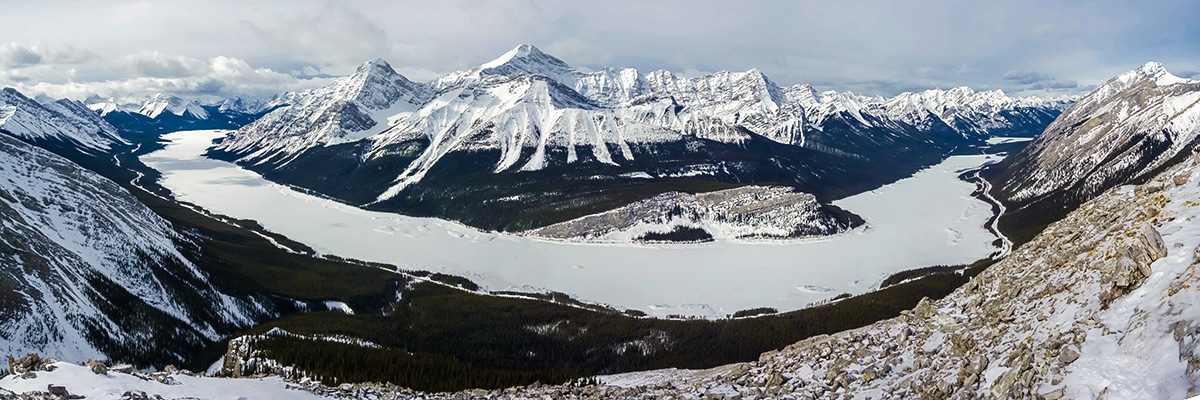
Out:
{"x": 25, "y": 364}
{"x": 1153, "y": 242}
{"x": 97, "y": 367}
{"x": 1068, "y": 355}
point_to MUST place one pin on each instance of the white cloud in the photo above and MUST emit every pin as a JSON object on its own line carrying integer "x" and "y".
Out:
{"x": 875, "y": 47}
{"x": 141, "y": 74}
{"x": 578, "y": 51}
{"x": 19, "y": 55}
{"x": 153, "y": 64}
{"x": 335, "y": 36}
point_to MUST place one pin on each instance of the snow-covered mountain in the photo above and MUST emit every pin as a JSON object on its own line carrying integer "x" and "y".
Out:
{"x": 62, "y": 123}
{"x": 529, "y": 100}
{"x": 255, "y": 105}
{"x": 347, "y": 110}
{"x": 160, "y": 103}
{"x": 160, "y": 113}
{"x": 90, "y": 272}
{"x": 379, "y": 139}
{"x": 151, "y": 107}
{"x": 1126, "y": 129}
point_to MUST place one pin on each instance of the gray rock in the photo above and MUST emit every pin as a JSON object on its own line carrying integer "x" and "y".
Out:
{"x": 58, "y": 391}
{"x": 97, "y": 367}
{"x": 1153, "y": 241}
{"x": 1068, "y": 355}
{"x": 25, "y": 364}
{"x": 1003, "y": 386}
{"x": 774, "y": 380}
{"x": 1180, "y": 179}
{"x": 163, "y": 378}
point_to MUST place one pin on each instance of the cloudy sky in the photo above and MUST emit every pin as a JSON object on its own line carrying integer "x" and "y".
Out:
{"x": 226, "y": 48}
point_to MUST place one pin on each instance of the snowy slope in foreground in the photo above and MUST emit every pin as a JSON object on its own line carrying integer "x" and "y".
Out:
{"x": 80, "y": 380}
{"x": 87, "y": 271}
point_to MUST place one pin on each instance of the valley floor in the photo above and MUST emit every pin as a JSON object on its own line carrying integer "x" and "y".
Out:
{"x": 941, "y": 223}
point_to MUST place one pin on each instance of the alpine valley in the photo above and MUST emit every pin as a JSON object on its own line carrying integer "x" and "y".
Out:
{"x": 525, "y": 141}
{"x": 107, "y": 276}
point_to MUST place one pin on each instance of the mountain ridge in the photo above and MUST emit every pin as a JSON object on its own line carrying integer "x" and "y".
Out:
{"x": 388, "y": 143}
{"x": 63, "y": 123}
{"x": 96, "y": 274}
{"x": 1125, "y": 130}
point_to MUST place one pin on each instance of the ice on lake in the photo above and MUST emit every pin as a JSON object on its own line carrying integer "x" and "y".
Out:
{"x": 928, "y": 219}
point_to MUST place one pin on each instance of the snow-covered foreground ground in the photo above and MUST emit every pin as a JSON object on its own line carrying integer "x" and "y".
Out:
{"x": 81, "y": 381}
{"x": 925, "y": 220}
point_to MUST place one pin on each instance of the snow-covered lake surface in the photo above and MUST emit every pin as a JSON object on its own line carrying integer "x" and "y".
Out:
{"x": 924, "y": 220}
{"x": 1006, "y": 140}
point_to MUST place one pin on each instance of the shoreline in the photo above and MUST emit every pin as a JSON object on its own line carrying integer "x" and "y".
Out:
{"x": 984, "y": 193}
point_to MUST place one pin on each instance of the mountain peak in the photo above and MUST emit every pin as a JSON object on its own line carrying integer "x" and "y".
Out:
{"x": 526, "y": 59}
{"x": 158, "y": 103}
{"x": 522, "y": 51}
{"x": 1150, "y": 71}
{"x": 1152, "y": 68}
{"x": 377, "y": 65}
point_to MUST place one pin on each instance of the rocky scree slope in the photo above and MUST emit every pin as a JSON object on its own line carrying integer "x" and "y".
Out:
{"x": 86, "y": 271}
{"x": 530, "y": 126}
{"x": 1103, "y": 304}
{"x": 1125, "y": 130}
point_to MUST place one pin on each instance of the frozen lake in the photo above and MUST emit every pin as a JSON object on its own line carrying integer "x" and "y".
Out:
{"x": 924, "y": 220}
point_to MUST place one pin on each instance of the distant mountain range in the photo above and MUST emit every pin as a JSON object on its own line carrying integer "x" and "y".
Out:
{"x": 525, "y": 140}
{"x": 162, "y": 113}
